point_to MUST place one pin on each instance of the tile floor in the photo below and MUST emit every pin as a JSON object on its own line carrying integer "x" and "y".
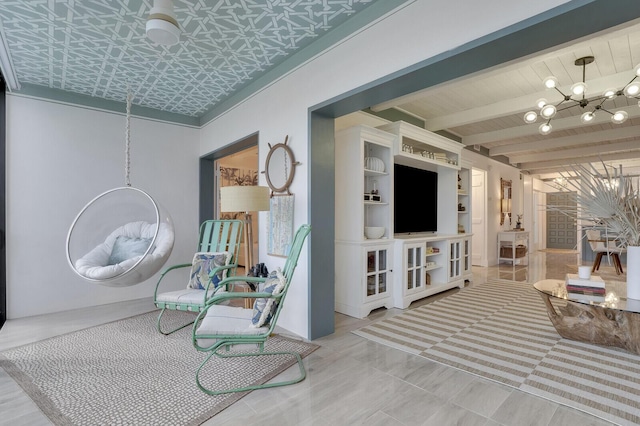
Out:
{"x": 350, "y": 380}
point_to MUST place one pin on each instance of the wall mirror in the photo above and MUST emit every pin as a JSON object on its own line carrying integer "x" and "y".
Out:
{"x": 505, "y": 200}
{"x": 280, "y": 167}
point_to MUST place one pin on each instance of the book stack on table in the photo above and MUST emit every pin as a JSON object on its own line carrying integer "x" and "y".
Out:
{"x": 591, "y": 290}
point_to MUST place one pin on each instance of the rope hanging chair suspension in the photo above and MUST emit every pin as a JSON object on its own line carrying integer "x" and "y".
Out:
{"x": 123, "y": 236}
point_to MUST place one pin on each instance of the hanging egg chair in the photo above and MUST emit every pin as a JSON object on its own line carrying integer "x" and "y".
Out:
{"x": 121, "y": 237}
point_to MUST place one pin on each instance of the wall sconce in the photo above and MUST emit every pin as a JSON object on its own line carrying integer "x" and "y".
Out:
{"x": 505, "y": 208}
{"x": 505, "y": 201}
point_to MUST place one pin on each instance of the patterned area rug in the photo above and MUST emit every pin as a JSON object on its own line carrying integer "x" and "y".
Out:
{"x": 125, "y": 372}
{"x": 500, "y": 331}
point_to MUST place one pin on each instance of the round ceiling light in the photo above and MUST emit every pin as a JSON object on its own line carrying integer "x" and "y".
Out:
{"x": 162, "y": 26}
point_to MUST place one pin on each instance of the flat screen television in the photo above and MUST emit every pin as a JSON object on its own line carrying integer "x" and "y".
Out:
{"x": 415, "y": 200}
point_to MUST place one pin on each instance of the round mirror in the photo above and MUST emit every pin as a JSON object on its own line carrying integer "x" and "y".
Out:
{"x": 280, "y": 167}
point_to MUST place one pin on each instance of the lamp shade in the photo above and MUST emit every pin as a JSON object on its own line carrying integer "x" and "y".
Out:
{"x": 244, "y": 198}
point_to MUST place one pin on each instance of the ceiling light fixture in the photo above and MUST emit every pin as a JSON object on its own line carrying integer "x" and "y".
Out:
{"x": 162, "y": 26}
{"x": 548, "y": 111}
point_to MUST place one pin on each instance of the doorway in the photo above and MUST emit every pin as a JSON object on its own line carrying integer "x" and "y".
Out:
{"x": 478, "y": 217}
{"x": 241, "y": 154}
{"x": 562, "y": 228}
{"x": 239, "y": 169}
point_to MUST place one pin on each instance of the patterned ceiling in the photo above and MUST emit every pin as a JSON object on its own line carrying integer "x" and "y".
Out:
{"x": 99, "y": 48}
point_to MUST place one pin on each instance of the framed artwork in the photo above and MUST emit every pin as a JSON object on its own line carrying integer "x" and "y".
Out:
{"x": 280, "y": 225}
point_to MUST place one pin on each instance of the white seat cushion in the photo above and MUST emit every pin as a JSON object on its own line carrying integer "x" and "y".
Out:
{"x": 188, "y": 296}
{"x": 227, "y": 320}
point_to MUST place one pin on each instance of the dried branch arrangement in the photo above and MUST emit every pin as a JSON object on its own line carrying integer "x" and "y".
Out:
{"x": 605, "y": 199}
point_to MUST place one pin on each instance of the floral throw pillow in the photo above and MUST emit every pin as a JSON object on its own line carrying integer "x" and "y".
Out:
{"x": 202, "y": 265}
{"x": 263, "y": 309}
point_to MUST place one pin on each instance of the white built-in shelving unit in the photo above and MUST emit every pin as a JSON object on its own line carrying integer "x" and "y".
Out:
{"x": 395, "y": 270}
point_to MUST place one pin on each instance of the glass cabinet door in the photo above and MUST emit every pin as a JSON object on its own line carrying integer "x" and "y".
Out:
{"x": 414, "y": 267}
{"x": 377, "y": 271}
{"x": 454, "y": 259}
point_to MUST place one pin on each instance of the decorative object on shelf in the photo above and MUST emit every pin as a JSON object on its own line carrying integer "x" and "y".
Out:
{"x": 245, "y": 199}
{"x": 461, "y": 208}
{"x": 459, "y": 183}
{"x": 374, "y": 164}
{"x": 519, "y": 222}
{"x": 373, "y": 232}
{"x": 548, "y": 111}
{"x": 608, "y": 199}
{"x": 372, "y": 197}
{"x": 280, "y": 167}
{"x": 505, "y": 202}
{"x": 162, "y": 26}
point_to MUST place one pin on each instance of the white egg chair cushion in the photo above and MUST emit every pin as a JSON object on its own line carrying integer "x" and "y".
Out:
{"x": 95, "y": 265}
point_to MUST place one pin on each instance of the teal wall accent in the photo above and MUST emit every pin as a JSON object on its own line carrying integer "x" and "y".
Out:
{"x": 92, "y": 102}
{"x": 322, "y": 220}
{"x": 393, "y": 114}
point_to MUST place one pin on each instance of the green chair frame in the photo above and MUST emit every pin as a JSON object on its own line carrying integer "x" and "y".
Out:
{"x": 215, "y": 236}
{"x": 223, "y": 342}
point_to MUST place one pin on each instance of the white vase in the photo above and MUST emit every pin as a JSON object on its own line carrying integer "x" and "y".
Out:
{"x": 633, "y": 272}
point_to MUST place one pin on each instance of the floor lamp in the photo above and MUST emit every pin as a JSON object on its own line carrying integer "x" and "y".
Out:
{"x": 245, "y": 199}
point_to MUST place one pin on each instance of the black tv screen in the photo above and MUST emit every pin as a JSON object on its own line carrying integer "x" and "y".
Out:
{"x": 415, "y": 200}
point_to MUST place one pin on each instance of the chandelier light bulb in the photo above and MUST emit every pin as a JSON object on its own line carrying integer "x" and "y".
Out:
{"x": 541, "y": 102}
{"x": 610, "y": 93}
{"x": 579, "y": 88}
{"x": 548, "y": 111}
{"x": 544, "y": 129}
{"x": 619, "y": 117}
{"x": 550, "y": 82}
{"x": 636, "y": 70}
{"x": 587, "y": 117}
{"x": 632, "y": 89}
{"x": 530, "y": 117}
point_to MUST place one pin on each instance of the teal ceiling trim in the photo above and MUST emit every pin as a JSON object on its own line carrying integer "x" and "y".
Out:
{"x": 375, "y": 11}
{"x": 62, "y": 96}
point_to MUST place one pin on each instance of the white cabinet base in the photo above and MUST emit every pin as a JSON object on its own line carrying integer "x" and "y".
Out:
{"x": 411, "y": 274}
{"x": 429, "y": 290}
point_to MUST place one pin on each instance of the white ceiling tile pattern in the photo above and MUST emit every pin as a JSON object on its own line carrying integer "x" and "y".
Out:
{"x": 99, "y": 48}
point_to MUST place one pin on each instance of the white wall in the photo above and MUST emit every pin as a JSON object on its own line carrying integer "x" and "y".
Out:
{"x": 415, "y": 33}
{"x": 60, "y": 157}
{"x": 495, "y": 171}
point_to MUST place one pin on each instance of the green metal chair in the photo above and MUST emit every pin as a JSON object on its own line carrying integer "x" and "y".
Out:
{"x": 215, "y": 236}
{"x": 218, "y": 327}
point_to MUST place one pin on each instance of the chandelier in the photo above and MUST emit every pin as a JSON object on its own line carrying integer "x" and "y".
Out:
{"x": 578, "y": 98}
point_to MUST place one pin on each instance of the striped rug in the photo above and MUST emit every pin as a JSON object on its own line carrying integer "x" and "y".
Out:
{"x": 500, "y": 331}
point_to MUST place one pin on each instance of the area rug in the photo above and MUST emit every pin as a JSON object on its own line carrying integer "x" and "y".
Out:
{"x": 500, "y": 331}
{"x": 125, "y": 372}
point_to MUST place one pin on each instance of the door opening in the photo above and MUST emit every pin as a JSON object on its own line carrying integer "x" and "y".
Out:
{"x": 236, "y": 163}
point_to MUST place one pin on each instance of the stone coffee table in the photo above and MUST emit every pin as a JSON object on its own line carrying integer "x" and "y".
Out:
{"x": 612, "y": 322}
